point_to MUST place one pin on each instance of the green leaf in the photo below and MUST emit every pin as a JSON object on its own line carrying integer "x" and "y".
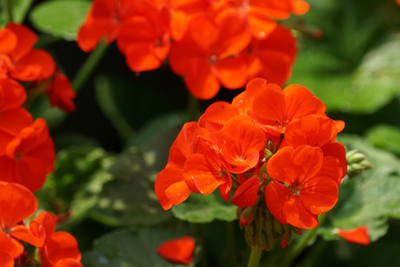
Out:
{"x": 166, "y": 126}
{"x": 134, "y": 248}
{"x": 369, "y": 199}
{"x": 61, "y": 18}
{"x": 19, "y": 9}
{"x": 370, "y": 87}
{"x": 200, "y": 208}
{"x": 129, "y": 199}
{"x": 75, "y": 167}
{"x": 355, "y": 69}
{"x": 386, "y": 137}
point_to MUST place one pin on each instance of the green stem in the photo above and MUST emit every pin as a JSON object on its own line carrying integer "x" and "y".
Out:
{"x": 193, "y": 107}
{"x": 255, "y": 257}
{"x": 303, "y": 242}
{"x": 88, "y": 67}
{"x": 8, "y": 5}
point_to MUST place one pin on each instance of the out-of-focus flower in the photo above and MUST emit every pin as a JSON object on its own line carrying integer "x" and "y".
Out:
{"x": 357, "y": 235}
{"x": 179, "y": 250}
{"x": 29, "y": 156}
{"x": 61, "y": 93}
{"x": 18, "y": 59}
{"x": 207, "y": 55}
{"x": 146, "y": 47}
{"x": 18, "y": 204}
{"x": 13, "y": 118}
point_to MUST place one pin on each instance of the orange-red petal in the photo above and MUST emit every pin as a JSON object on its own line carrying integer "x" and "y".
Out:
{"x": 358, "y": 235}
{"x": 246, "y": 194}
{"x": 179, "y": 250}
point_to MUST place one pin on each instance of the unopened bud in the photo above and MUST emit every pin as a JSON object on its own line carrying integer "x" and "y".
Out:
{"x": 239, "y": 211}
{"x": 269, "y": 223}
{"x": 357, "y": 163}
{"x": 268, "y": 154}
{"x": 367, "y": 165}
{"x": 249, "y": 228}
{"x": 261, "y": 239}
{"x": 357, "y": 167}
{"x": 278, "y": 226}
{"x": 356, "y": 158}
{"x": 351, "y": 153}
{"x": 260, "y": 221}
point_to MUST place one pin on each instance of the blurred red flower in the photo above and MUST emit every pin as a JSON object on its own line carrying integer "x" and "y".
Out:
{"x": 179, "y": 250}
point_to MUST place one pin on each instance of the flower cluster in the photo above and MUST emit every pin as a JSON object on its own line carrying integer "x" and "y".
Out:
{"x": 35, "y": 67}
{"x": 274, "y": 148}
{"x": 56, "y": 249}
{"x": 27, "y": 152}
{"x": 214, "y": 42}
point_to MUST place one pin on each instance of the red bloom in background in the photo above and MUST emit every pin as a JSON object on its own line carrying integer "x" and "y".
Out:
{"x": 61, "y": 93}
{"x": 29, "y": 156}
{"x": 272, "y": 58}
{"x": 207, "y": 54}
{"x": 148, "y": 45}
{"x": 183, "y": 11}
{"x": 17, "y": 57}
{"x": 309, "y": 193}
{"x": 179, "y": 250}
{"x": 17, "y": 204}
{"x": 60, "y": 249}
{"x": 357, "y": 235}
{"x": 105, "y": 18}
{"x": 13, "y": 118}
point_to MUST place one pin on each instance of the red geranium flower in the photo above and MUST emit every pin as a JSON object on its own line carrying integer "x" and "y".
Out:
{"x": 5, "y": 259}
{"x": 105, "y": 18}
{"x": 308, "y": 192}
{"x": 317, "y": 131}
{"x": 60, "y": 249}
{"x": 240, "y": 142}
{"x": 207, "y": 54}
{"x": 148, "y": 45}
{"x": 61, "y": 93}
{"x": 171, "y": 178}
{"x": 208, "y": 173}
{"x": 13, "y": 118}
{"x": 272, "y": 58}
{"x": 29, "y": 156}
{"x": 17, "y": 204}
{"x": 179, "y": 250}
{"x": 17, "y": 58}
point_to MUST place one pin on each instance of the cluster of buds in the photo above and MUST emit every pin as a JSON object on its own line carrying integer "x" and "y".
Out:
{"x": 357, "y": 163}
{"x": 275, "y": 149}
{"x": 262, "y": 229}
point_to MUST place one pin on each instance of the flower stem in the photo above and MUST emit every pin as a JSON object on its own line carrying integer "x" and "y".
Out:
{"x": 255, "y": 257}
{"x": 9, "y": 7}
{"x": 193, "y": 107}
{"x": 303, "y": 243}
{"x": 88, "y": 67}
